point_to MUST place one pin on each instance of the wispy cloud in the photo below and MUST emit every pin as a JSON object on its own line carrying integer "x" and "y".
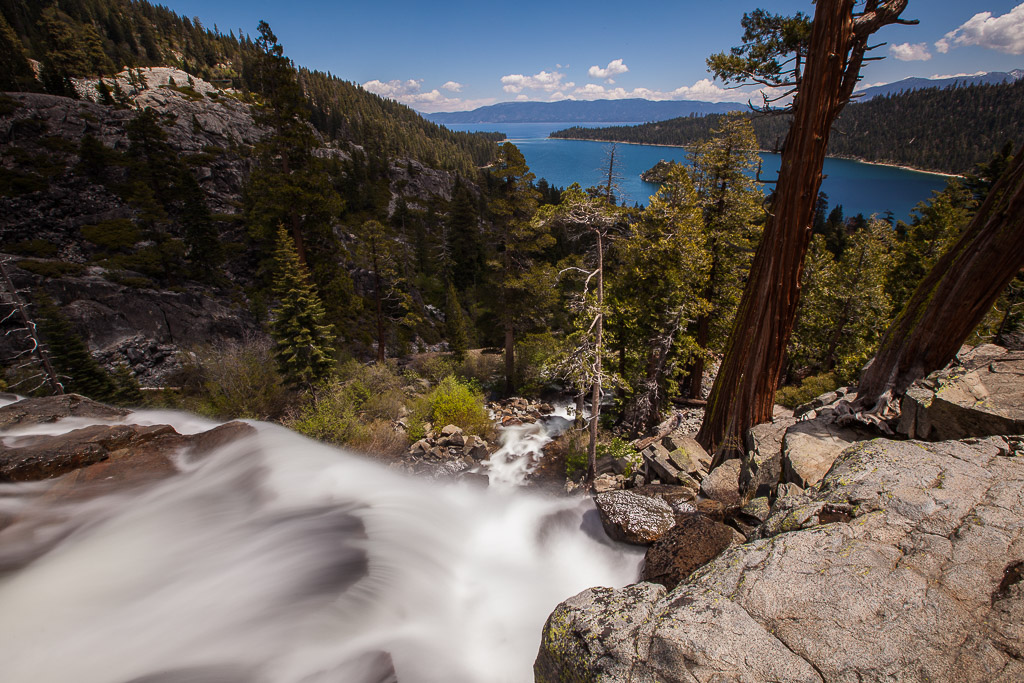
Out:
{"x": 1004, "y": 33}
{"x": 410, "y": 92}
{"x": 546, "y": 81}
{"x": 910, "y": 52}
{"x": 705, "y": 90}
{"x": 608, "y": 73}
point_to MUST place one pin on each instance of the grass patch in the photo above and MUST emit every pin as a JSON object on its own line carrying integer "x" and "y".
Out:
{"x": 52, "y": 269}
{"x": 809, "y": 389}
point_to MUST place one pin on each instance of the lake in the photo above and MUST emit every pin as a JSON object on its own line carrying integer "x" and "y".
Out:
{"x": 859, "y": 187}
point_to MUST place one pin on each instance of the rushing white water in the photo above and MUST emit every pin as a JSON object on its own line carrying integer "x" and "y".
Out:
{"x": 280, "y": 560}
{"x": 522, "y": 447}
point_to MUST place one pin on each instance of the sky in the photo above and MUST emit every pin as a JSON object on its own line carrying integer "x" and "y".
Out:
{"x": 455, "y": 55}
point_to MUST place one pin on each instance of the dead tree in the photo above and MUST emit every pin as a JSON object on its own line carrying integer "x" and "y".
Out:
{"x": 744, "y": 391}
{"x": 952, "y": 299}
{"x": 34, "y": 353}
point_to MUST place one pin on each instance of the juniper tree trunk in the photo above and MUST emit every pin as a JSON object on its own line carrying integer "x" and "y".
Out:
{"x": 953, "y": 297}
{"x": 744, "y": 391}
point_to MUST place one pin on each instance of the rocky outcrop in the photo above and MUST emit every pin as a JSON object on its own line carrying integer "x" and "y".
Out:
{"x": 809, "y": 448}
{"x": 904, "y": 563}
{"x": 981, "y": 394}
{"x": 106, "y": 452}
{"x": 694, "y": 541}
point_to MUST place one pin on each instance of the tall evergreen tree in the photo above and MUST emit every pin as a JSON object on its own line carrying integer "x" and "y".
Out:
{"x": 78, "y": 370}
{"x": 303, "y": 339}
{"x": 518, "y": 285}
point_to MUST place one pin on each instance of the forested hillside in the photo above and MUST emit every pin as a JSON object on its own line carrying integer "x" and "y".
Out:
{"x": 80, "y": 38}
{"x": 946, "y": 130}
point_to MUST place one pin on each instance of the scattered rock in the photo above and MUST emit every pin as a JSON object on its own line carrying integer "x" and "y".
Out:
{"x": 764, "y": 455}
{"x": 608, "y": 482}
{"x": 723, "y": 483}
{"x": 450, "y": 430}
{"x": 902, "y": 564}
{"x": 632, "y": 518}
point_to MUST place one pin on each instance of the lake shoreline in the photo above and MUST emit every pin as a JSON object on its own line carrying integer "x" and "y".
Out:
{"x": 769, "y": 151}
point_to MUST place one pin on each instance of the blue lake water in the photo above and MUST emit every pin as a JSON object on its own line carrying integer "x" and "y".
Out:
{"x": 860, "y": 188}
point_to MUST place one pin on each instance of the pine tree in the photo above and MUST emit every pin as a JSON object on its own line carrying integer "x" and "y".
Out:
{"x": 79, "y": 371}
{"x": 519, "y": 287}
{"x": 455, "y": 327}
{"x": 303, "y": 340}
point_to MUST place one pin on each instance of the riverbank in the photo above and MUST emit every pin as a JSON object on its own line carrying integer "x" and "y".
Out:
{"x": 771, "y": 151}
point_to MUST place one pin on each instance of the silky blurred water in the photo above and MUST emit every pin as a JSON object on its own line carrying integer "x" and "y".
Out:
{"x": 281, "y": 560}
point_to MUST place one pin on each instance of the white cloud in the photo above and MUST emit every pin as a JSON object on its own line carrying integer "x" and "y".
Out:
{"x": 453, "y": 86}
{"x": 394, "y": 89}
{"x": 910, "y": 52}
{"x": 614, "y": 68}
{"x": 410, "y": 92}
{"x": 1003, "y": 33}
{"x": 547, "y": 81}
{"x": 704, "y": 90}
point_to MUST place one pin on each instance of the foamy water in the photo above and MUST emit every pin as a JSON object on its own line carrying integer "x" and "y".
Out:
{"x": 279, "y": 559}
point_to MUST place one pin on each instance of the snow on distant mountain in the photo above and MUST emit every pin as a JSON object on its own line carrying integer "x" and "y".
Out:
{"x": 908, "y": 84}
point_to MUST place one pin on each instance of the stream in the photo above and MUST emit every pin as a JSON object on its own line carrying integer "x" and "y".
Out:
{"x": 281, "y": 560}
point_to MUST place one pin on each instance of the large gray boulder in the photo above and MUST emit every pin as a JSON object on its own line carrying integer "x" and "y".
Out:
{"x": 809, "y": 448}
{"x": 981, "y": 396}
{"x": 634, "y": 518}
{"x": 904, "y": 564}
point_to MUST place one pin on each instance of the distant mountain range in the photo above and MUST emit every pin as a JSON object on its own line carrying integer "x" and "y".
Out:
{"x": 589, "y": 111}
{"x": 638, "y": 110}
{"x": 908, "y": 84}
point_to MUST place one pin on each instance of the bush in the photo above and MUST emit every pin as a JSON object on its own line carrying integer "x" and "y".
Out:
{"x": 230, "y": 381}
{"x": 52, "y": 268}
{"x": 533, "y": 355}
{"x": 115, "y": 234}
{"x": 809, "y": 389}
{"x": 453, "y": 401}
{"x": 622, "y": 450}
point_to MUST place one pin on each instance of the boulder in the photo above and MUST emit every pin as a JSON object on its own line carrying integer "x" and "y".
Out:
{"x": 687, "y": 455}
{"x": 723, "y": 483}
{"x": 694, "y": 541}
{"x": 661, "y": 467}
{"x": 450, "y": 430}
{"x": 34, "y": 458}
{"x": 907, "y": 566}
{"x": 763, "y": 458}
{"x": 632, "y": 518}
{"x": 34, "y": 411}
{"x": 983, "y": 396}
{"x": 809, "y": 448}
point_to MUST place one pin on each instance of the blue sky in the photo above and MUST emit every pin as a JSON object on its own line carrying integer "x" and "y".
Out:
{"x": 446, "y": 56}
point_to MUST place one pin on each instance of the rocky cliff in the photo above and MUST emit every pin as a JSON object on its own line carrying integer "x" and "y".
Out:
{"x": 49, "y": 203}
{"x": 900, "y": 560}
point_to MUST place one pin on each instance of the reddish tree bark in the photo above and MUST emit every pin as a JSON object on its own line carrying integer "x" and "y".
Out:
{"x": 953, "y": 297}
{"x": 744, "y": 391}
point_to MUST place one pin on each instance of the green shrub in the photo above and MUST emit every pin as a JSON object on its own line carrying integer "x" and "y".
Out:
{"x": 809, "y": 389}
{"x": 238, "y": 380}
{"x": 576, "y": 454}
{"x": 52, "y": 268}
{"x": 452, "y": 401}
{"x": 533, "y": 354}
{"x": 13, "y": 183}
{"x": 37, "y": 248}
{"x": 331, "y": 412}
{"x": 622, "y": 450}
{"x": 118, "y": 234}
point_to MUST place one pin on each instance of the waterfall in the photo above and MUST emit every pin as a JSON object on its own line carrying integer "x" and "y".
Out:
{"x": 281, "y": 560}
